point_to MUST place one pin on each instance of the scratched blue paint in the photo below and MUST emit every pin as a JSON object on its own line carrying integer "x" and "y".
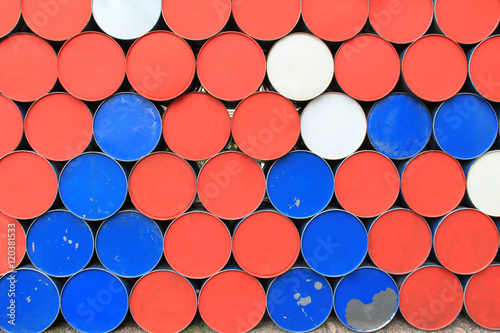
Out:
{"x": 366, "y": 300}
{"x": 59, "y": 243}
{"x": 29, "y": 300}
{"x": 399, "y": 126}
{"x": 127, "y": 126}
{"x": 334, "y": 243}
{"x": 300, "y": 300}
{"x": 300, "y": 184}
{"x": 129, "y": 244}
{"x": 465, "y": 126}
{"x": 93, "y": 186}
{"x": 94, "y": 300}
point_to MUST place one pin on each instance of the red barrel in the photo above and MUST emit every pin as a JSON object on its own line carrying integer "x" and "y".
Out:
{"x": 28, "y": 185}
{"x": 21, "y": 53}
{"x": 433, "y": 183}
{"x": 163, "y": 301}
{"x": 231, "y": 185}
{"x": 162, "y": 186}
{"x": 12, "y": 243}
{"x": 197, "y": 245}
{"x": 482, "y": 297}
{"x": 160, "y": 65}
{"x": 430, "y": 298}
{"x": 56, "y": 20}
{"x": 367, "y": 184}
{"x": 11, "y": 125}
{"x": 401, "y": 21}
{"x": 232, "y": 301}
{"x": 367, "y": 67}
{"x": 434, "y": 68}
{"x": 10, "y": 12}
{"x": 399, "y": 241}
{"x": 466, "y": 241}
{"x": 58, "y": 126}
{"x": 266, "y": 244}
{"x": 266, "y": 20}
{"x": 484, "y": 68}
{"x": 91, "y": 66}
{"x": 196, "y": 126}
{"x": 335, "y": 20}
{"x": 231, "y": 66}
{"x": 265, "y": 125}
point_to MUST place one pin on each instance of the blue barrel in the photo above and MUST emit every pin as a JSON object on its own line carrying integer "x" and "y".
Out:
{"x": 94, "y": 300}
{"x": 399, "y": 126}
{"x": 366, "y": 300}
{"x": 334, "y": 243}
{"x": 29, "y": 300}
{"x": 300, "y": 184}
{"x": 299, "y": 300}
{"x": 127, "y": 126}
{"x": 93, "y": 186}
{"x": 129, "y": 244}
{"x": 465, "y": 126}
{"x": 59, "y": 243}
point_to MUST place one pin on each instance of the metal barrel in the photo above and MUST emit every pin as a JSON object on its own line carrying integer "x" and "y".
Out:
{"x": 265, "y": 125}
{"x": 197, "y": 20}
{"x": 12, "y": 243}
{"x": 93, "y": 186}
{"x": 129, "y": 244}
{"x": 481, "y": 295}
{"x": 232, "y": 301}
{"x": 399, "y": 241}
{"x": 465, "y": 241}
{"x": 19, "y": 81}
{"x": 333, "y": 125}
{"x": 367, "y": 67}
{"x": 197, "y": 244}
{"x": 434, "y": 68}
{"x": 162, "y": 186}
{"x": 335, "y": 21}
{"x": 160, "y": 65}
{"x": 126, "y": 19}
{"x": 127, "y": 126}
{"x": 399, "y": 126}
{"x": 56, "y": 20}
{"x": 196, "y": 126}
{"x": 299, "y": 300}
{"x": 231, "y": 185}
{"x": 483, "y": 183}
{"x": 430, "y": 297}
{"x": 300, "y": 66}
{"x": 467, "y": 22}
{"x": 400, "y": 22}
{"x": 10, "y": 14}
{"x": 367, "y": 183}
{"x": 58, "y": 126}
{"x": 465, "y": 126}
{"x": 366, "y": 299}
{"x": 432, "y": 183}
{"x": 163, "y": 301}
{"x": 11, "y": 122}
{"x": 91, "y": 66}
{"x": 29, "y": 185}
{"x": 334, "y": 243}
{"x": 264, "y": 20}
{"x": 59, "y": 244}
{"x": 266, "y": 244}
{"x": 300, "y": 184}
{"x": 94, "y": 300}
{"x": 30, "y": 300}
{"x": 231, "y": 66}
{"x": 483, "y": 68}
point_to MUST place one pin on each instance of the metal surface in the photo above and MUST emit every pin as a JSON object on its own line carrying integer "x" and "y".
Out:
{"x": 483, "y": 183}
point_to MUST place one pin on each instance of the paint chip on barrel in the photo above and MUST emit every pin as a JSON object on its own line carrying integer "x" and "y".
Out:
{"x": 366, "y": 316}
{"x": 304, "y": 301}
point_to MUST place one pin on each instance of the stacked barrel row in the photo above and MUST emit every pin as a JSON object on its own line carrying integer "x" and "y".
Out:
{"x": 227, "y": 158}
